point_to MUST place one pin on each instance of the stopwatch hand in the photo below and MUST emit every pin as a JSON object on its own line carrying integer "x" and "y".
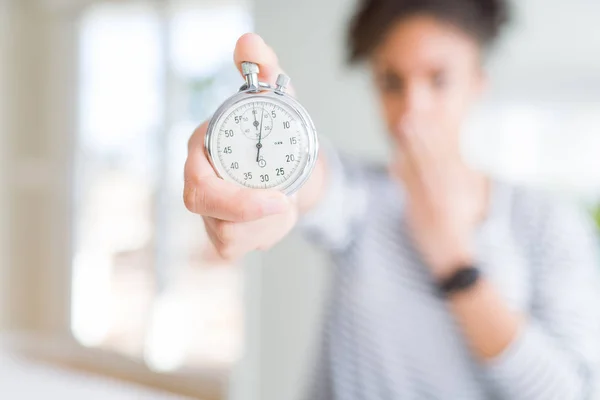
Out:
{"x": 259, "y": 144}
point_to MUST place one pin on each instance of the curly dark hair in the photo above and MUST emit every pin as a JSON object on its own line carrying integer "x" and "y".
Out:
{"x": 482, "y": 19}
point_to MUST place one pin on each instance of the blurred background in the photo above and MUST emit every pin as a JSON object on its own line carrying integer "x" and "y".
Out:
{"x": 103, "y": 272}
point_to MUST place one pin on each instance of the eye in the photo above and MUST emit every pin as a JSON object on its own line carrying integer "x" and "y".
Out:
{"x": 439, "y": 80}
{"x": 390, "y": 82}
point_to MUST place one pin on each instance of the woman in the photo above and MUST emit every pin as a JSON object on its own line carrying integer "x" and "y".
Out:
{"x": 449, "y": 284}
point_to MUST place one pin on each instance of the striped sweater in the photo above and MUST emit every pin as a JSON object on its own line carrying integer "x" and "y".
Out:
{"x": 388, "y": 335}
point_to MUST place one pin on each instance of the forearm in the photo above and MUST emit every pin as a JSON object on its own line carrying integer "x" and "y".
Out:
{"x": 487, "y": 322}
{"x": 519, "y": 357}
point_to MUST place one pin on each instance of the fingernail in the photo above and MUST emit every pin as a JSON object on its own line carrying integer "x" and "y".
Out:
{"x": 274, "y": 205}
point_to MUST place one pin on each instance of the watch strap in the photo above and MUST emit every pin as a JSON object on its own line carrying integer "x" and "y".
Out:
{"x": 460, "y": 281}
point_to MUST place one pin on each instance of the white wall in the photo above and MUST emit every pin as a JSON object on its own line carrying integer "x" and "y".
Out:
{"x": 307, "y": 36}
{"x": 551, "y": 55}
{"x": 4, "y": 128}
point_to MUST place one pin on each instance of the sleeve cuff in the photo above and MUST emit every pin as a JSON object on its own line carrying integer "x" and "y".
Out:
{"x": 531, "y": 368}
{"x": 331, "y": 223}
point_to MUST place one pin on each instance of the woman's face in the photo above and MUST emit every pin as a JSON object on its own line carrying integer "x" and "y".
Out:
{"x": 429, "y": 73}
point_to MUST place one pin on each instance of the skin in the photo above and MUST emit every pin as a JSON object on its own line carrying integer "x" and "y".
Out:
{"x": 428, "y": 75}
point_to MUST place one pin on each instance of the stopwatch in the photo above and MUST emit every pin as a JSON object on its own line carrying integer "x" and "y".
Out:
{"x": 262, "y": 137}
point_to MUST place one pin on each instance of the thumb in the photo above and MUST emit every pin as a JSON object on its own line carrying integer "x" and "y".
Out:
{"x": 251, "y": 47}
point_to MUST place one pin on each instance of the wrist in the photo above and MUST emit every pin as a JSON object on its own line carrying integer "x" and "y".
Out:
{"x": 448, "y": 263}
{"x": 463, "y": 280}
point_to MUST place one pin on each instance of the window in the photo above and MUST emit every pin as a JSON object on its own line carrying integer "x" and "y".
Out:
{"x": 146, "y": 282}
{"x": 547, "y": 144}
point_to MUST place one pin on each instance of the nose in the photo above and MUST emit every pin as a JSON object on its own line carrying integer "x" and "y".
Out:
{"x": 416, "y": 100}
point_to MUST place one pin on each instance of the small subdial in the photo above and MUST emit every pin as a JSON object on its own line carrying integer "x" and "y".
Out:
{"x": 256, "y": 122}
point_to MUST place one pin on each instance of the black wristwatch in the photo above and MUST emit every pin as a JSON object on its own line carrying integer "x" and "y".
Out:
{"x": 461, "y": 280}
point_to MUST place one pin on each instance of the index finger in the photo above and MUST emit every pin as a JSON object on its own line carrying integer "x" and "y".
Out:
{"x": 208, "y": 195}
{"x": 197, "y": 160}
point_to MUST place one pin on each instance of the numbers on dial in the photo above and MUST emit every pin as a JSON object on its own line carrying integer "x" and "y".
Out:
{"x": 260, "y": 144}
{"x": 256, "y": 122}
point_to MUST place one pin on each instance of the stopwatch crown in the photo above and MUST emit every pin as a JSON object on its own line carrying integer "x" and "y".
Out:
{"x": 249, "y": 68}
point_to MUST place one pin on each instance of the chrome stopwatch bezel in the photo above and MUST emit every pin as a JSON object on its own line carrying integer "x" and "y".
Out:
{"x": 267, "y": 93}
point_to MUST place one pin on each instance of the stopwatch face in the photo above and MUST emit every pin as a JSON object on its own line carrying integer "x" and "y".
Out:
{"x": 262, "y": 142}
